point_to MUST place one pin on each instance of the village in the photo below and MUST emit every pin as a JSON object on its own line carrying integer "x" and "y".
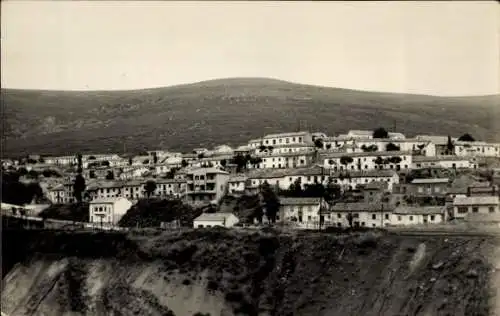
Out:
{"x": 301, "y": 180}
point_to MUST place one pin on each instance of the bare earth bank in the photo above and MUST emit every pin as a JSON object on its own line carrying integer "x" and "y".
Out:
{"x": 241, "y": 273}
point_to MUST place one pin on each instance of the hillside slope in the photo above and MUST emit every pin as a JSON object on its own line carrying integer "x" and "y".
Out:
{"x": 228, "y": 273}
{"x": 224, "y": 111}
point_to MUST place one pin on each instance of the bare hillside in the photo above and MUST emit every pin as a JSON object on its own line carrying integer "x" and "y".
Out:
{"x": 221, "y": 272}
{"x": 224, "y": 111}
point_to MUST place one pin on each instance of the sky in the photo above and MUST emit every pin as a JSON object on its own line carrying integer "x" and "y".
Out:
{"x": 437, "y": 48}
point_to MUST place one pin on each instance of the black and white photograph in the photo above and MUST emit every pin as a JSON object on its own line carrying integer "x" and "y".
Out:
{"x": 250, "y": 158}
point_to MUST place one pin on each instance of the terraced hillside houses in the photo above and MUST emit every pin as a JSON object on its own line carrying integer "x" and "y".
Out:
{"x": 370, "y": 172}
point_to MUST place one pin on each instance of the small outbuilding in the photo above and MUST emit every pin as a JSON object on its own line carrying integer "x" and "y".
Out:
{"x": 215, "y": 219}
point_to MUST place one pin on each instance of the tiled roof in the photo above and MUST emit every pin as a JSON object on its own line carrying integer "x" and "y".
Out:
{"x": 287, "y": 154}
{"x": 292, "y": 134}
{"x": 326, "y": 155}
{"x": 106, "y": 200}
{"x": 361, "y": 207}
{"x": 416, "y": 210}
{"x": 207, "y": 170}
{"x": 299, "y": 200}
{"x": 238, "y": 178}
{"x": 433, "y": 180}
{"x": 365, "y": 173}
{"x": 476, "y": 200}
{"x": 439, "y": 158}
{"x": 213, "y": 216}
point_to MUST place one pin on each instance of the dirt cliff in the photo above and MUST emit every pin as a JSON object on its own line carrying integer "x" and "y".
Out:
{"x": 222, "y": 272}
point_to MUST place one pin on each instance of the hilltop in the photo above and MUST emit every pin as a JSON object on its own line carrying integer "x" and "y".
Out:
{"x": 228, "y": 111}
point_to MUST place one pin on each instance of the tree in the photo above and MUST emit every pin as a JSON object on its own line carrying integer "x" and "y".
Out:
{"x": 262, "y": 148}
{"x": 92, "y": 174}
{"x": 110, "y": 175}
{"x": 240, "y": 161}
{"x": 41, "y": 160}
{"x": 371, "y": 148}
{"x": 130, "y": 161}
{"x": 379, "y": 161}
{"x": 350, "y": 219}
{"x": 91, "y": 158}
{"x": 380, "y": 133}
{"x": 449, "y": 146}
{"x": 466, "y": 138}
{"x": 150, "y": 187}
{"x": 392, "y": 147}
{"x": 223, "y": 163}
{"x": 155, "y": 158}
{"x": 254, "y": 161}
{"x": 328, "y": 146}
{"x": 395, "y": 159}
{"x": 79, "y": 187}
{"x": 32, "y": 174}
{"x": 271, "y": 202}
{"x": 184, "y": 163}
{"x": 270, "y": 148}
{"x": 345, "y": 160}
{"x": 105, "y": 163}
{"x": 201, "y": 155}
{"x": 318, "y": 143}
{"x": 333, "y": 191}
{"x": 295, "y": 188}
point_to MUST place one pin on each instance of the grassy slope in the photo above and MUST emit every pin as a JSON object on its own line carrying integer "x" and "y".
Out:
{"x": 224, "y": 111}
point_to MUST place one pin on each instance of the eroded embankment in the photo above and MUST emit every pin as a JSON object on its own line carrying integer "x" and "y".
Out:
{"x": 226, "y": 273}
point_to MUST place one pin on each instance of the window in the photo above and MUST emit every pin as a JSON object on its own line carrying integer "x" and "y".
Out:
{"x": 475, "y": 210}
{"x": 491, "y": 209}
{"x": 339, "y": 225}
{"x": 462, "y": 209}
{"x": 411, "y": 218}
{"x": 399, "y": 218}
{"x": 374, "y": 216}
{"x": 386, "y": 216}
{"x": 309, "y": 218}
{"x": 432, "y": 217}
{"x": 363, "y": 223}
{"x": 339, "y": 215}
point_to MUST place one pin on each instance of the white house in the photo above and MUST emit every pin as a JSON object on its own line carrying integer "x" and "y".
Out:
{"x": 447, "y": 162}
{"x": 205, "y": 185}
{"x": 108, "y": 211}
{"x": 236, "y": 184}
{"x": 474, "y": 204}
{"x": 367, "y": 160}
{"x": 363, "y": 214}
{"x": 287, "y": 138}
{"x": 286, "y": 160}
{"x": 215, "y": 219}
{"x": 302, "y": 212}
{"x": 477, "y": 149}
{"x": 409, "y": 215}
{"x": 412, "y": 145}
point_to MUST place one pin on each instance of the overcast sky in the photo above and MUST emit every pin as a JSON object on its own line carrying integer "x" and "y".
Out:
{"x": 446, "y": 48}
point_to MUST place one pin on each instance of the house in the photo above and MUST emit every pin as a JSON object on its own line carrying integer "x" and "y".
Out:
{"x": 170, "y": 188}
{"x": 61, "y": 193}
{"x": 476, "y": 149}
{"x": 416, "y": 147}
{"x": 205, "y": 185}
{"x": 360, "y": 134}
{"x": 302, "y": 212}
{"x": 448, "y": 162}
{"x": 287, "y": 138}
{"x": 428, "y": 187}
{"x": 409, "y": 215}
{"x": 286, "y": 160}
{"x": 223, "y": 150}
{"x": 396, "y": 160}
{"x": 363, "y": 214}
{"x": 352, "y": 179}
{"x": 374, "y": 191}
{"x": 215, "y": 219}
{"x": 236, "y": 184}
{"x": 285, "y": 148}
{"x": 440, "y": 143}
{"x": 61, "y": 160}
{"x": 108, "y": 211}
{"x": 475, "y": 204}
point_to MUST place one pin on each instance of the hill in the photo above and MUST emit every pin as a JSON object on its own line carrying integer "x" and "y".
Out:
{"x": 222, "y": 272}
{"x": 228, "y": 111}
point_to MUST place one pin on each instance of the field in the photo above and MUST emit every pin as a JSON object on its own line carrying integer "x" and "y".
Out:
{"x": 229, "y": 111}
{"x": 221, "y": 272}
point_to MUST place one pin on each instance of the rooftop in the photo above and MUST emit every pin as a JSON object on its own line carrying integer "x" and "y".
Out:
{"x": 361, "y": 207}
{"x": 106, "y": 200}
{"x": 439, "y": 158}
{"x": 429, "y": 181}
{"x": 292, "y": 134}
{"x": 326, "y": 155}
{"x": 476, "y": 200}
{"x": 213, "y": 217}
{"x": 299, "y": 200}
{"x": 417, "y": 210}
